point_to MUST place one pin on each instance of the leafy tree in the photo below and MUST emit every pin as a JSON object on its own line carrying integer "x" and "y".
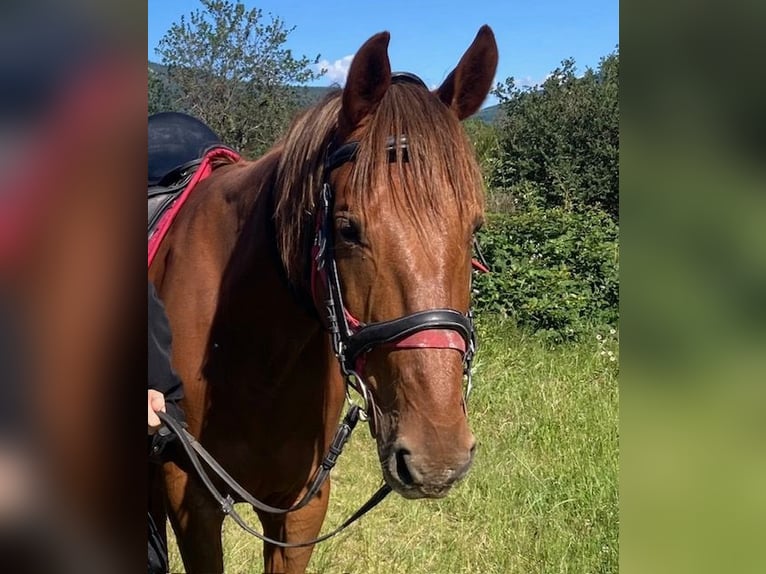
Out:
{"x": 559, "y": 142}
{"x": 160, "y": 99}
{"x": 485, "y": 139}
{"x": 554, "y": 252}
{"x": 232, "y": 70}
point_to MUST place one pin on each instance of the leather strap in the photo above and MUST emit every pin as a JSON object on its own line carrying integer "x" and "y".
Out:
{"x": 387, "y": 332}
{"x": 407, "y": 78}
{"x": 195, "y": 451}
{"x": 344, "y": 153}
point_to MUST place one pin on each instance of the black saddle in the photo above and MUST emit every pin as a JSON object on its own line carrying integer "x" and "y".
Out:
{"x": 176, "y": 139}
{"x": 177, "y": 143}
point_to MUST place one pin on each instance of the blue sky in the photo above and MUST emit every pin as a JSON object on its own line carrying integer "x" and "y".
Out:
{"x": 429, "y": 36}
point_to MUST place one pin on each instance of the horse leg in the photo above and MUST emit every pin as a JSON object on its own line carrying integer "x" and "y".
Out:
{"x": 303, "y": 524}
{"x": 196, "y": 521}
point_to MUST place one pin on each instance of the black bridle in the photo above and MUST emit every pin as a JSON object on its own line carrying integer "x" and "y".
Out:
{"x": 352, "y": 339}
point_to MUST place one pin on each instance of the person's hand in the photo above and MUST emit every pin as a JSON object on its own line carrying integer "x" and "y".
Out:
{"x": 156, "y": 404}
{"x": 16, "y": 484}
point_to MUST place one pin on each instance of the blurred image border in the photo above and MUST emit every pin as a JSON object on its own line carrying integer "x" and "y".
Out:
{"x": 693, "y": 276}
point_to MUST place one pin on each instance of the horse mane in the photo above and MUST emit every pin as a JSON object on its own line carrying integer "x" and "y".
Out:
{"x": 441, "y": 172}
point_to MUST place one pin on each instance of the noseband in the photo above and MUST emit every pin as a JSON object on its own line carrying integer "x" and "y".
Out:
{"x": 353, "y": 339}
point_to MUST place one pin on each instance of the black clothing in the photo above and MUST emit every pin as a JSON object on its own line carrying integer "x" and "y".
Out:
{"x": 161, "y": 375}
{"x": 158, "y": 554}
{"x": 15, "y": 423}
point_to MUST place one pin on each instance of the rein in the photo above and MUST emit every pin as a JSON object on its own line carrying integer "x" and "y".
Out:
{"x": 195, "y": 452}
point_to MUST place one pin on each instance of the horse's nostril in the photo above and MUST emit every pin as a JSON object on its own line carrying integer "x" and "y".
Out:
{"x": 402, "y": 468}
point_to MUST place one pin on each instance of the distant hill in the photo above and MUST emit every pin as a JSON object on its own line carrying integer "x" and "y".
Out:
{"x": 490, "y": 114}
{"x": 309, "y": 95}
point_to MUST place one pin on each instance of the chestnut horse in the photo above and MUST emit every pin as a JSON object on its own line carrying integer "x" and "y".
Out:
{"x": 251, "y": 300}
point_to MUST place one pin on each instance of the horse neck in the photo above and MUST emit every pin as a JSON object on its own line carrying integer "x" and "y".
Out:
{"x": 258, "y": 313}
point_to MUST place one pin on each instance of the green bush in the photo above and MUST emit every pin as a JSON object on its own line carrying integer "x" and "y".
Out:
{"x": 563, "y": 137}
{"x": 553, "y": 270}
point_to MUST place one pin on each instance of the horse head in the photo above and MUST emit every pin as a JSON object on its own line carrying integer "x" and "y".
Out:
{"x": 406, "y": 201}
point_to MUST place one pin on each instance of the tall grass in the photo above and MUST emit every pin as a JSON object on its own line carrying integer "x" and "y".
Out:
{"x": 540, "y": 498}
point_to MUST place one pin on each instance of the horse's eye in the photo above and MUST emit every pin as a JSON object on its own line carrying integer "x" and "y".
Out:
{"x": 349, "y": 231}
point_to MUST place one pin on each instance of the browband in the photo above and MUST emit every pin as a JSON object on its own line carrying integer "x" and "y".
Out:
{"x": 347, "y": 151}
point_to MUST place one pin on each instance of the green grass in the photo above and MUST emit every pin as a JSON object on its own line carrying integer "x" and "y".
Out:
{"x": 540, "y": 498}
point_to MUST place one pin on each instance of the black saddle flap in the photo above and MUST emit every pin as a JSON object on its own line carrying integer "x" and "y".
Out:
{"x": 163, "y": 195}
{"x": 176, "y": 139}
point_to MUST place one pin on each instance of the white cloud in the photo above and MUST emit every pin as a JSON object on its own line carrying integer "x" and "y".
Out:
{"x": 530, "y": 82}
{"x": 337, "y": 70}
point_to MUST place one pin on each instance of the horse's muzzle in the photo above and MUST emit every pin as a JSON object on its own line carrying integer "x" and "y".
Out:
{"x": 415, "y": 474}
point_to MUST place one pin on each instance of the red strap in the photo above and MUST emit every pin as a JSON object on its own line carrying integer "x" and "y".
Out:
{"x": 205, "y": 169}
{"x": 432, "y": 339}
{"x": 479, "y": 266}
{"x": 352, "y": 321}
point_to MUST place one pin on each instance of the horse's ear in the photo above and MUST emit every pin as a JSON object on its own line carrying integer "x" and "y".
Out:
{"x": 467, "y": 86}
{"x": 367, "y": 82}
